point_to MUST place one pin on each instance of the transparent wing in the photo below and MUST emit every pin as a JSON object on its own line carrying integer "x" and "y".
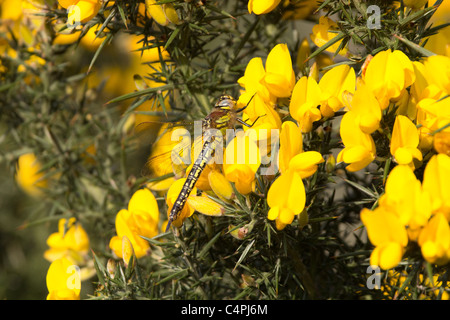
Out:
{"x": 170, "y": 152}
{"x": 175, "y": 149}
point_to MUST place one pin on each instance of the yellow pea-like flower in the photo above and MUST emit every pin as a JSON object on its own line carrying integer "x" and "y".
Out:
{"x": 359, "y": 149}
{"x": 306, "y": 163}
{"x": 404, "y": 142}
{"x": 366, "y": 109}
{"x": 220, "y": 185}
{"x": 425, "y": 86}
{"x": 441, "y": 142}
{"x": 279, "y": 77}
{"x": 242, "y": 160}
{"x": 388, "y": 74}
{"x": 70, "y": 241}
{"x": 29, "y": 176}
{"x": 253, "y": 82}
{"x": 262, "y": 6}
{"x": 261, "y": 115}
{"x": 286, "y": 198}
{"x": 206, "y": 205}
{"x": 81, "y": 10}
{"x": 139, "y": 220}
{"x": 436, "y": 181}
{"x": 437, "y": 70}
{"x": 321, "y": 35}
{"x": 333, "y": 84}
{"x": 434, "y": 114}
{"x": 63, "y": 280}
{"x": 405, "y": 198}
{"x": 304, "y": 103}
{"x": 387, "y": 234}
{"x": 434, "y": 240}
{"x": 163, "y": 14}
{"x": 291, "y": 144}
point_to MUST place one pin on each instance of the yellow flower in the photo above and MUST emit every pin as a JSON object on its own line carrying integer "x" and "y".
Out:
{"x": 304, "y": 103}
{"x": 65, "y": 38}
{"x": 81, "y": 10}
{"x": 388, "y": 74}
{"x": 140, "y": 220}
{"x": 205, "y": 205}
{"x": 262, "y": 6}
{"x": 11, "y": 9}
{"x": 264, "y": 119}
{"x": 387, "y": 234}
{"x": 241, "y": 161}
{"x": 437, "y": 70}
{"x": 436, "y": 182}
{"x": 440, "y": 43}
{"x": 279, "y": 77}
{"x": 159, "y": 163}
{"x": 434, "y": 240}
{"x": 433, "y": 115}
{"x": 359, "y": 149}
{"x": 404, "y": 142}
{"x": 163, "y": 14}
{"x": 333, "y": 85}
{"x": 63, "y": 280}
{"x": 19, "y": 9}
{"x": 405, "y": 197}
{"x": 441, "y": 142}
{"x": 291, "y": 144}
{"x": 426, "y": 85}
{"x": 28, "y": 175}
{"x": 366, "y": 109}
{"x": 220, "y": 185}
{"x": 202, "y": 204}
{"x": 263, "y": 113}
{"x": 305, "y": 163}
{"x": 436, "y": 113}
{"x": 321, "y": 34}
{"x": 71, "y": 241}
{"x": 286, "y": 197}
{"x": 253, "y": 82}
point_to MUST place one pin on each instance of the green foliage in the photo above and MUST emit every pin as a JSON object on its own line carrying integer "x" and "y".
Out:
{"x": 53, "y": 110}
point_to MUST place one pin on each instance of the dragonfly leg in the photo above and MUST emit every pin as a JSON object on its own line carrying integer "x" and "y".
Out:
{"x": 249, "y": 125}
{"x": 242, "y": 109}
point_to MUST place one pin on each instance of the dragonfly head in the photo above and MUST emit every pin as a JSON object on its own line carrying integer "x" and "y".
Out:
{"x": 226, "y": 103}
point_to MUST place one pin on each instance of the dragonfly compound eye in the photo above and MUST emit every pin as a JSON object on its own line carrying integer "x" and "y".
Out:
{"x": 226, "y": 102}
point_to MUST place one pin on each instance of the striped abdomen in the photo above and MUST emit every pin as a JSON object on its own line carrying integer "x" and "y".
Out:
{"x": 194, "y": 174}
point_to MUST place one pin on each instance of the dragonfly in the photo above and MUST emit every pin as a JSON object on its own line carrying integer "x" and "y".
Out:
{"x": 223, "y": 116}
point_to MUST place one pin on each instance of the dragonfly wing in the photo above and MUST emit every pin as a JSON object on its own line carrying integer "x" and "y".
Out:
{"x": 170, "y": 153}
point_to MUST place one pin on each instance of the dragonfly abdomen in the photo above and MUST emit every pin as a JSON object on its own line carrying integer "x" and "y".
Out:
{"x": 191, "y": 180}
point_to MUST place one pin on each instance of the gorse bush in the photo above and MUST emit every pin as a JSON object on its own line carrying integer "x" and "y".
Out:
{"x": 341, "y": 110}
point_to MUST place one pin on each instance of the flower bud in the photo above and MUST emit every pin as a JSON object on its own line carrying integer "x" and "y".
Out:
{"x": 330, "y": 164}
{"x": 111, "y": 267}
